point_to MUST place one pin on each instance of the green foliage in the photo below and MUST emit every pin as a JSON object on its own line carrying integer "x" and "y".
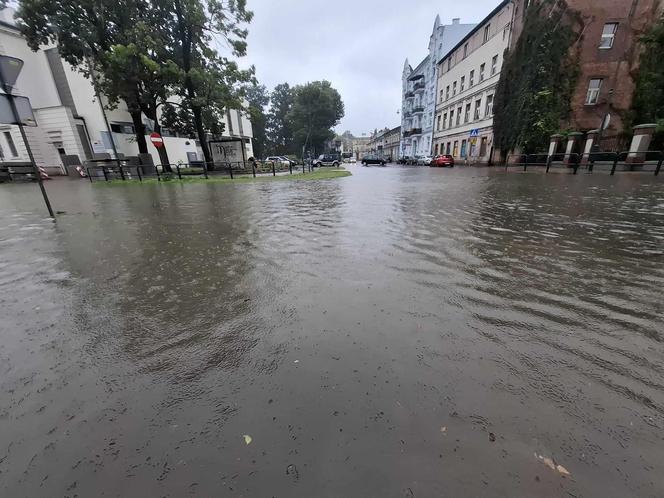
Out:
{"x": 317, "y": 108}
{"x": 648, "y": 103}
{"x": 279, "y": 130}
{"x": 537, "y": 81}
{"x": 258, "y": 100}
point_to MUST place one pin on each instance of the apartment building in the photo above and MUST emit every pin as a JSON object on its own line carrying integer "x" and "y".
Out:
{"x": 385, "y": 144}
{"x": 467, "y": 79}
{"x": 418, "y": 99}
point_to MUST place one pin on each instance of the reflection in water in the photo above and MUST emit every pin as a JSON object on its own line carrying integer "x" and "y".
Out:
{"x": 341, "y": 324}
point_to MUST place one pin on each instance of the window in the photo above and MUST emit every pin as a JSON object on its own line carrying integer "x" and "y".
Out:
{"x": 506, "y": 31}
{"x": 471, "y": 80}
{"x": 467, "y": 116}
{"x": 465, "y": 51}
{"x": 478, "y": 106}
{"x": 448, "y": 148}
{"x": 608, "y": 35}
{"x": 463, "y": 148}
{"x": 455, "y": 151}
{"x": 11, "y": 144}
{"x": 593, "y": 91}
{"x": 447, "y": 92}
{"x": 126, "y": 128}
{"x": 449, "y": 63}
{"x": 444, "y": 121}
{"x": 488, "y": 110}
{"x": 438, "y": 124}
{"x": 463, "y": 83}
{"x": 487, "y": 28}
{"x": 494, "y": 65}
{"x": 454, "y": 87}
{"x": 435, "y": 150}
{"x": 482, "y": 67}
{"x": 451, "y": 118}
{"x": 458, "y": 121}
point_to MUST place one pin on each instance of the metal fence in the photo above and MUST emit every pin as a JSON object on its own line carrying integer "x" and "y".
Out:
{"x": 112, "y": 170}
{"x": 648, "y": 161}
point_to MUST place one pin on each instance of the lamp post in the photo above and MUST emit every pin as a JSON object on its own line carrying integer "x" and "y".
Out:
{"x": 10, "y": 67}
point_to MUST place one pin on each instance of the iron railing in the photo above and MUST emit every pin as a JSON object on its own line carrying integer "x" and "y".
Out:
{"x": 632, "y": 161}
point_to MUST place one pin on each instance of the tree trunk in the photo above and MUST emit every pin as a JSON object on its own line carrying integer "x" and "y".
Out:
{"x": 139, "y": 129}
{"x": 200, "y": 131}
{"x": 163, "y": 154}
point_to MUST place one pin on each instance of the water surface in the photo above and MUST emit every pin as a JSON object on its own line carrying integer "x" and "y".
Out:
{"x": 372, "y": 334}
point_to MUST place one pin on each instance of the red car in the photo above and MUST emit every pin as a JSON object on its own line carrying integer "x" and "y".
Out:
{"x": 443, "y": 161}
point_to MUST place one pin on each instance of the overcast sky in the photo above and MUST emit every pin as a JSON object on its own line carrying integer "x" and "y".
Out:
{"x": 358, "y": 45}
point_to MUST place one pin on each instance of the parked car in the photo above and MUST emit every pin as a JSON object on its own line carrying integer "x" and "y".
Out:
{"x": 443, "y": 160}
{"x": 290, "y": 161}
{"x": 325, "y": 160}
{"x": 282, "y": 161}
{"x": 424, "y": 160}
{"x": 373, "y": 160}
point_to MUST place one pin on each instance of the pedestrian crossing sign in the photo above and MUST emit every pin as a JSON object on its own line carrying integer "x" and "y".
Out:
{"x": 475, "y": 132}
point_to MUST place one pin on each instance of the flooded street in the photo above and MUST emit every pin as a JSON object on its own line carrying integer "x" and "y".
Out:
{"x": 404, "y": 332}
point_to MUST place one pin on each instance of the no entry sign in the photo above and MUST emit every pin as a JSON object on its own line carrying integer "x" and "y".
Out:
{"x": 156, "y": 139}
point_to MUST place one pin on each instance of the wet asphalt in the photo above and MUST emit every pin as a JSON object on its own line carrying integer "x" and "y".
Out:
{"x": 404, "y": 332}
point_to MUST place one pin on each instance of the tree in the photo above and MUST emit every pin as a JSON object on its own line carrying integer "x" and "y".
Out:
{"x": 537, "y": 81}
{"x": 108, "y": 41}
{"x": 279, "y": 129}
{"x": 258, "y": 99}
{"x": 317, "y": 108}
{"x": 209, "y": 84}
{"x": 648, "y": 103}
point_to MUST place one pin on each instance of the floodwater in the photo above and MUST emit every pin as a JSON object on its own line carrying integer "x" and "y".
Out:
{"x": 404, "y": 332}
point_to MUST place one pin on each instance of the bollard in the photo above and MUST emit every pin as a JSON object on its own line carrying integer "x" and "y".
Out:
{"x": 274, "y": 171}
{"x": 103, "y": 169}
{"x": 138, "y": 172}
{"x": 525, "y": 164}
{"x": 290, "y": 167}
{"x": 205, "y": 171}
{"x": 230, "y": 170}
{"x": 177, "y": 166}
{"x": 253, "y": 168}
{"x": 303, "y": 172}
{"x": 576, "y": 165}
{"x": 122, "y": 175}
{"x": 615, "y": 164}
{"x": 549, "y": 160}
{"x": 659, "y": 163}
{"x": 89, "y": 176}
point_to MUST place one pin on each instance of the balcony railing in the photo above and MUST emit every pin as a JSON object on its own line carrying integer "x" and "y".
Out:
{"x": 409, "y": 95}
{"x": 412, "y": 132}
{"x": 418, "y": 86}
{"x": 417, "y": 110}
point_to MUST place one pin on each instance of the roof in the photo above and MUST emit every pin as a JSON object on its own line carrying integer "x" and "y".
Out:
{"x": 481, "y": 24}
{"x": 9, "y": 25}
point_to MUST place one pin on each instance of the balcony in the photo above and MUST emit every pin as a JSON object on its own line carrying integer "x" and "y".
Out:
{"x": 418, "y": 110}
{"x": 409, "y": 95}
{"x": 419, "y": 87}
{"x": 412, "y": 132}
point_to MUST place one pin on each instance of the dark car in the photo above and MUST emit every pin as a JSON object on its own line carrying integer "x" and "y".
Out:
{"x": 443, "y": 160}
{"x": 326, "y": 160}
{"x": 373, "y": 160}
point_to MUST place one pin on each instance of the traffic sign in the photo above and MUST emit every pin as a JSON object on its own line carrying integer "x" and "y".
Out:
{"x": 475, "y": 132}
{"x": 156, "y": 139}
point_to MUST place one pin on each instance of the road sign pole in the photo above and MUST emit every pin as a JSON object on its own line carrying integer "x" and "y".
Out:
{"x": 8, "y": 90}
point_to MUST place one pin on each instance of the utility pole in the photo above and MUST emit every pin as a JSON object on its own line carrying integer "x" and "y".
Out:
{"x": 17, "y": 64}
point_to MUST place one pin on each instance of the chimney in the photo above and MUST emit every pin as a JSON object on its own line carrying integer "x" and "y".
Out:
{"x": 456, "y": 20}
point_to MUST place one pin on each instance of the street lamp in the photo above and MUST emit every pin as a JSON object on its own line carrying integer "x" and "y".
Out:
{"x": 10, "y": 68}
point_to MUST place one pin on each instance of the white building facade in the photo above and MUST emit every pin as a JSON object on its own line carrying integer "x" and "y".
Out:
{"x": 69, "y": 118}
{"x": 467, "y": 79}
{"x": 419, "y": 89}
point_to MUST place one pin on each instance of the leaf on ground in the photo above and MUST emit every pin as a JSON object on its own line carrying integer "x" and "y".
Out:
{"x": 553, "y": 465}
{"x": 247, "y": 439}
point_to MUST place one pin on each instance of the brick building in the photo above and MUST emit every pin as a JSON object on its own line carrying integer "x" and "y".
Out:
{"x": 608, "y": 50}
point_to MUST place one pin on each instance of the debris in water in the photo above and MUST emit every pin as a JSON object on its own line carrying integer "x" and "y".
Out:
{"x": 247, "y": 439}
{"x": 553, "y": 465}
{"x": 492, "y": 437}
{"x": 296, "y": 361}
{"x": 291, "y": 470}
{"x": 443, "y": 429}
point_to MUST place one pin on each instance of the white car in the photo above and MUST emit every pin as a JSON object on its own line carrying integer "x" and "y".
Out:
{"x": 424, "y": 160}
{"x": 278, "y": 160}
